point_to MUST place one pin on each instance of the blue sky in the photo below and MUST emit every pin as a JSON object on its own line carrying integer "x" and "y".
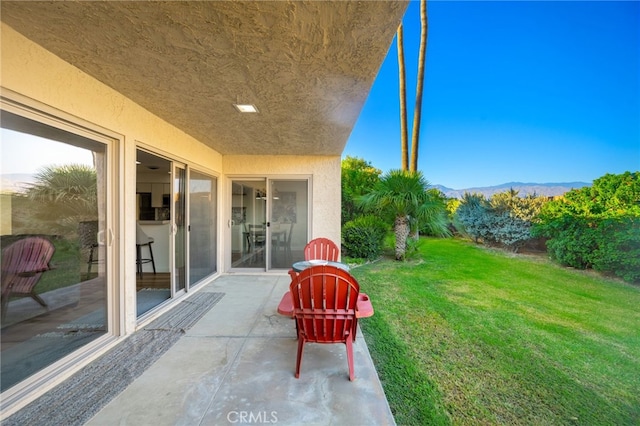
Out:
{"x": 542, "y": 91}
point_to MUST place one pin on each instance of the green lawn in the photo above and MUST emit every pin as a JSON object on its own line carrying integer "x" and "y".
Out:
{"x": 466, "y": 335}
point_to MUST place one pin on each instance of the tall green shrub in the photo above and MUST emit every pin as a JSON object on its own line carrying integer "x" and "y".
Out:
{"x": 573, "y": 243}
{"x": 597, "y": 226}
{"x": 363, "y": 237}
{"x": 358, "y": 177}
{"x": 618, "y": 248}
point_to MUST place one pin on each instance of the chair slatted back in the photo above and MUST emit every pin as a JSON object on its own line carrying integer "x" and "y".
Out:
{"x": 23, "y": 263}
{"x": 322, "y": 249}
{"x": 324, "y": 301}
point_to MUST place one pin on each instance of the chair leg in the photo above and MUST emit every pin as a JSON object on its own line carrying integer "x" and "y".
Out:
{"x": 349, "y": 344}
{"x": 355, "y": 328}
{"x": 299, "y": 358}
{"x": 153, "y": 262}
{"x": 90, "y": 261}
{"x": 5, "y": 305}
{"x": 38, "y": 298}
{"x": 139, "y": 259}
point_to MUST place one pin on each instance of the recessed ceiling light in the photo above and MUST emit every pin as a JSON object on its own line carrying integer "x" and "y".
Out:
{"x": 246, "y": 107}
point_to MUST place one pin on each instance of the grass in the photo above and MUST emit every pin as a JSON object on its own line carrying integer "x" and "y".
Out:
{"x": 67, "y": 263}
{"x": 464, "y": 335}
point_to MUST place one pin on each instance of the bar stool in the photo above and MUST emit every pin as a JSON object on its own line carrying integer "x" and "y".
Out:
{"x": 143, "y": 239}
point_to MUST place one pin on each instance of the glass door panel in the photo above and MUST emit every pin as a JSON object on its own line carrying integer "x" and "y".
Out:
{"x": 203, "y": 195}
{"x": 153, "y": 231}
{"x": 53, "y": 199}
{"x": 179, "y": 228}
{"x": 248, "y": 224}
{"x": 289, "y": 220}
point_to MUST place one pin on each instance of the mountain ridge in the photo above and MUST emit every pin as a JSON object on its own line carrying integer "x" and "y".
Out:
{"x": 550, "y": 189}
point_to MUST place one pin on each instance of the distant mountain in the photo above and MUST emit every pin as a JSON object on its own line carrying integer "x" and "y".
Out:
{"x": 16, "y": 182}
{"x": 524, "y": 189}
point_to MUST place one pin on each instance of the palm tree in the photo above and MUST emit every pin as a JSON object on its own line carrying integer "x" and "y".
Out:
{"x": 417, "y": 114}
{"x": 63, "y": 195}
{"x": 402, "y": 195}
{"x": 402, "y": 76}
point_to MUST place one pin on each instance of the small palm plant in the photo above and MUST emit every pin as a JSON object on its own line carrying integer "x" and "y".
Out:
{"x": 403, "y": 196}
{"x": 62, "y": 196}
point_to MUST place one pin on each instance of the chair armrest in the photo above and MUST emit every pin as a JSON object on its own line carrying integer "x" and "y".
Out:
{"x": 364, "y": 308}
{"x": 285, "y": 307}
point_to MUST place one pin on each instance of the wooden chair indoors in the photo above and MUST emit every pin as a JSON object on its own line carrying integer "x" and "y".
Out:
{"x": 23, "y": 263}
{"x": 324, "y": 302}
{"x": 142, "y": 240}
{"x": 322, "y": 249}
{"x": 284, "y": 244}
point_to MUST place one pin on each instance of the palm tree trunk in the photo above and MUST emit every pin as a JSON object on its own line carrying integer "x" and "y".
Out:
{"x": 417, "y": 115}
{"x": 404, "y": 136}
{"x": 401, "y": 228}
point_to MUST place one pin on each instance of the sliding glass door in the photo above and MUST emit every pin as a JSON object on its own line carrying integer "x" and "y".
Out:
{"x": 289, "y": 221}
{"x": 203, "y": 195}
{"x": 56, "y": 240}
{"x": 248, "y": 224}
{"x": 153, "y": 231}
{"x": 179, "y": 215}
{"x": 176, "y": 220}
{"x": 269, "y": 223}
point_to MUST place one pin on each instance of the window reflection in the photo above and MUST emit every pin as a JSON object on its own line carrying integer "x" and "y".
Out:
{"x": 202, "y": 220}
{"x": 52, "y": 192}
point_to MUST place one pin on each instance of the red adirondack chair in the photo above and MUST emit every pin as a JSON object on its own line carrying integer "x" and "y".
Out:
{"x": 23, "y": 263}
{"x": 321, "y": 248}
{"x": 324, "y": 307}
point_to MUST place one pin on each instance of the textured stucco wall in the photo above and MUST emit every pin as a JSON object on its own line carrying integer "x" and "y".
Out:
{"x": 32, "y": 71}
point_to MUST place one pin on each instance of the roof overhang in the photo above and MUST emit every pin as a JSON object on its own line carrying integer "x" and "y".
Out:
{"x": 307, "y": 66}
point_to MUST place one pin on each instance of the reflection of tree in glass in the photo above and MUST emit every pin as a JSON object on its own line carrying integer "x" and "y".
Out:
{"x": 62, "y": 196}
{"x": 284, "y": 208}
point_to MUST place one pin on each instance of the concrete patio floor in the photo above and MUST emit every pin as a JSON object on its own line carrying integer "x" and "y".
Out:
{"x": 236, "y": 366}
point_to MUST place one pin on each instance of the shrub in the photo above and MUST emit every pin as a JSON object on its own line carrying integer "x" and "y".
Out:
{"x": 358, "y": 177}
{"x": 363, "y": 237}
{"x": 618, "y": 242}
{"x": 504, "y": 220}
{"x": 511, "y": 231}
{"x": 471, "y": 216}
{"x": 597, "y": 226}
{"x": 573, "y": 243}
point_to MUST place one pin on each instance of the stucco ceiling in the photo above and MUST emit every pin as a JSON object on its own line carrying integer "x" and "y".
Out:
{"x": 306, "y": 65}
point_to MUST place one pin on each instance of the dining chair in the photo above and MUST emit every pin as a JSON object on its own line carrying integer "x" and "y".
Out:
{"x": 284, "y": 244}
{"x": 257, "y": 237}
